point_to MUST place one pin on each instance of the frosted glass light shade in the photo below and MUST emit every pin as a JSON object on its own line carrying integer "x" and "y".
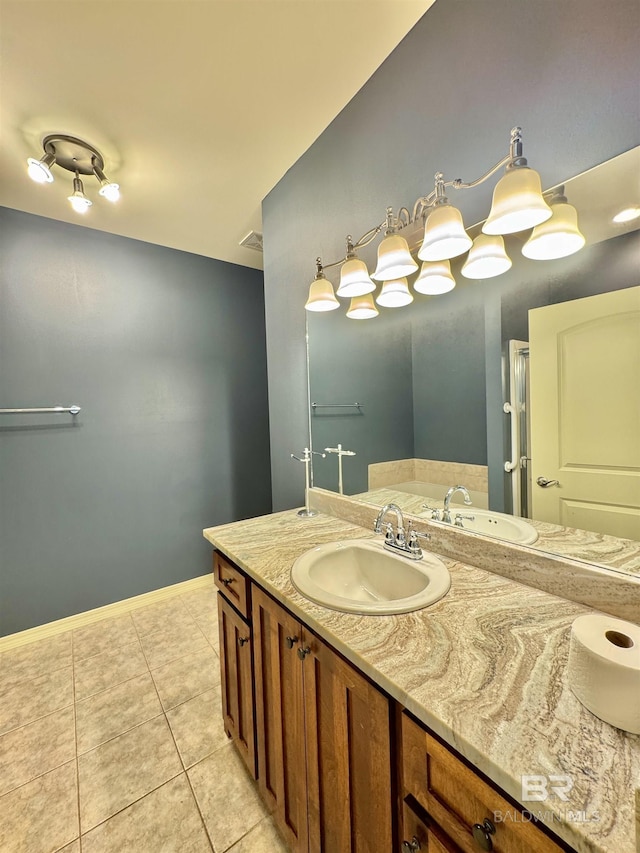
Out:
{"x": 444, "y": 235}
{"x": 517, "y": 203}
{"x": 362, "y": 308}
{"x": 394, "y": 259}
{"x": 394, "y": 294}
{"x": 487, "y": 258}
{"x": 321, "y": 296}
{"x": 110, "y": 191}
{"x": 354, "y": 279}
{"x": 558, "y": 237}
{"x": 435, "y": 278}
{"x": 38, "y": 170}
{"x": 79, "y": 202}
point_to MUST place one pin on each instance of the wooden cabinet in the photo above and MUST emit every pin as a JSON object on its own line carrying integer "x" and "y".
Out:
{"x": 324, "y": 740}
{"x": 236, "y": 666}
{"x": 459, "y": 802}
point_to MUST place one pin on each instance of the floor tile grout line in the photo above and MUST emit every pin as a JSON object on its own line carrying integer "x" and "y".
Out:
{"x": 35, "y": 719}
{"x": 112, "y": 686}
{"x": 75, "y": 732}
{"x": 138, "y": 800}
{"x": 125, "y": 732}
{"x": 184, "y": 701}
{"x": 181, "y": 760}
{"x": 35, "y": 778}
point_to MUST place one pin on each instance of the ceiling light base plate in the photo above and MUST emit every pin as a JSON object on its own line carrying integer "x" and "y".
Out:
{"x": 72, "y": 153}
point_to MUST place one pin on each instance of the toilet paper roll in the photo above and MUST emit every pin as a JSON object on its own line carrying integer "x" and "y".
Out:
{"x": 604, "y": 668}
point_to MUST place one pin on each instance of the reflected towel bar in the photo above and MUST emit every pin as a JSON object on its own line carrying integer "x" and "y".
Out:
{"x": 336, "y": 405}
{"x": 56, "y": 410}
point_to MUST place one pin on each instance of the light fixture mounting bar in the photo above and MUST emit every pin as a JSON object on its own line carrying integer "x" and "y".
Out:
{"x": 73, "y": 154}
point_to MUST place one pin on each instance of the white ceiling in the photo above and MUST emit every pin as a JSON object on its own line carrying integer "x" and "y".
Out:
{"x": 198, "y": 106}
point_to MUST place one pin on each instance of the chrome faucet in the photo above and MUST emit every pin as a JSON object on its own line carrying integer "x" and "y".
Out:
{"x": 398, "y": 542}
{"x": 446, "y": 515}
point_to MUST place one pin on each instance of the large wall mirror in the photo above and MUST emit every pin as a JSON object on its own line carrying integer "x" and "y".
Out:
{"x": 429, "y": 381}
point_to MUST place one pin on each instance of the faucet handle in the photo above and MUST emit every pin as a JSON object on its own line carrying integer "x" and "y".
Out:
{"x": 388, "y": 533}
{"x": 460, "y": 517}
{"x": 434, "y": 510}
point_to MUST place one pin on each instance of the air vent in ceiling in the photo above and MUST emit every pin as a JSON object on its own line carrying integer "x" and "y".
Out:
{"x": 253, "y": 240}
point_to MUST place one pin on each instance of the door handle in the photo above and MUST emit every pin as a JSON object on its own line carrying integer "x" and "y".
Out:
{"x": 542, "y": 481}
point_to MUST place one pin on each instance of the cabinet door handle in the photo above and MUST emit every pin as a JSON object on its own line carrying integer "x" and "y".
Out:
{"x": 227, "y": 581}
{"x": 242, "y": 640}
{"x": 482, "y": 833}
{"x": 290, "y": 641}
{"x": 411, "y": 846}
{"x": 302, "y": 653}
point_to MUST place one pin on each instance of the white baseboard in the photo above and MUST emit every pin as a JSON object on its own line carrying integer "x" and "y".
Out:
{"x": 79, "y": 620}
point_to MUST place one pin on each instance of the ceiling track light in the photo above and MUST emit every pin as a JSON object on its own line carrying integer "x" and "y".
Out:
{"x": 76, "y": 156}
{"x": 518, "y": 204}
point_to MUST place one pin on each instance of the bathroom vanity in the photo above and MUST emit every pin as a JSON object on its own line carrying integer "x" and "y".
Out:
{"x": 419, "y": 731}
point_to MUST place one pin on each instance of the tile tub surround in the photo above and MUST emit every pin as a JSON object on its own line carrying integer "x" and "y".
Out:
{"x": 617, "y": 593}
{"x": 484, "y": 668}
{"x": 383, "y": 474}
{"x": 106, "y": 745}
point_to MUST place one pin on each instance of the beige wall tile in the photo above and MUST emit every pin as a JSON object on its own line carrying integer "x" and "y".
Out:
{"x": 43, "y": 815}
{"x": 172, "y": 643}
{"x": 103, "y": 636}
{"x": 34, "y": 659}
{"x": 187, "y": 677}
{"x": 197, "y": 726}
{"x": 227, "y": 796}
{"x": 167, "y": 820}
{"x": 121, "y": 771}
{"x": 30, "y": 700}
{"x": 112, "y": 712}
{"x": 108, "y": 669}
{"x": 36, "y": 748}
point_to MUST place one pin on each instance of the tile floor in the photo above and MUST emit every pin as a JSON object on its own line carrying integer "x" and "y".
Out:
{"x": 111, "y": 741}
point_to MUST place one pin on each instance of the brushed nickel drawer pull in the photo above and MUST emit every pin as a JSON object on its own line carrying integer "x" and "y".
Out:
{"x": 290, "y": 642}
{"x": 302, "y": 653}
{"x": 482, "y": 833}
{"x": 411, "y": 846}
{"x": 242, "y": 640}
{"x": 227, "y": 581}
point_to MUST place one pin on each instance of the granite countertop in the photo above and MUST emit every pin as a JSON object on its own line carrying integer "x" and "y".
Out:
{"x": 484, "y": 668}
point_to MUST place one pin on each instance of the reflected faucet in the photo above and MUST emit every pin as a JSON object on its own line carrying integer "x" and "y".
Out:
{"x": 446, "y": 515}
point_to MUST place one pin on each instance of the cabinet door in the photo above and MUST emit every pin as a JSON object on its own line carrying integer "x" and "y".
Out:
{"x": 237, "y": 681}
{"x": 348, "y": 737}
{"x": 420, "y": 836}
{"x": 280, "y": 717}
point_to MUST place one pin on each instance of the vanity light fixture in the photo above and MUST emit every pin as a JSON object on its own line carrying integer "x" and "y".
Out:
{"x": 354, "y": 275}
{"x": 321, "y": 295}
{"x": 77, "y": 156}
{"x": 362, "y": 308}
{"x": 627, "y": 215}
{"x": 435, "y": 278}
{"x": 487, "y": 258}
{"x": 557, "y": 237}
{"x": 518, "y": 205}
{"x": 395, "y": 293}
{"x": 394, "y": 257}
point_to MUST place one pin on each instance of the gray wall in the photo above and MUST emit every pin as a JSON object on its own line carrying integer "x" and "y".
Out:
{"x": 445, "y": 99}
{"x": 165, "y": 352}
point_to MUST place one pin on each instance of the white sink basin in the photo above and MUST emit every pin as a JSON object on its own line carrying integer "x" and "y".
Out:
{"x": 360, "y": 576}
{"x": 507, "y": 527}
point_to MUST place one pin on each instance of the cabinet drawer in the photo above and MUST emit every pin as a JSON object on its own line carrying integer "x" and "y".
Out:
{"x": 232, "y": 583}
{"x": 457, "y": 798}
